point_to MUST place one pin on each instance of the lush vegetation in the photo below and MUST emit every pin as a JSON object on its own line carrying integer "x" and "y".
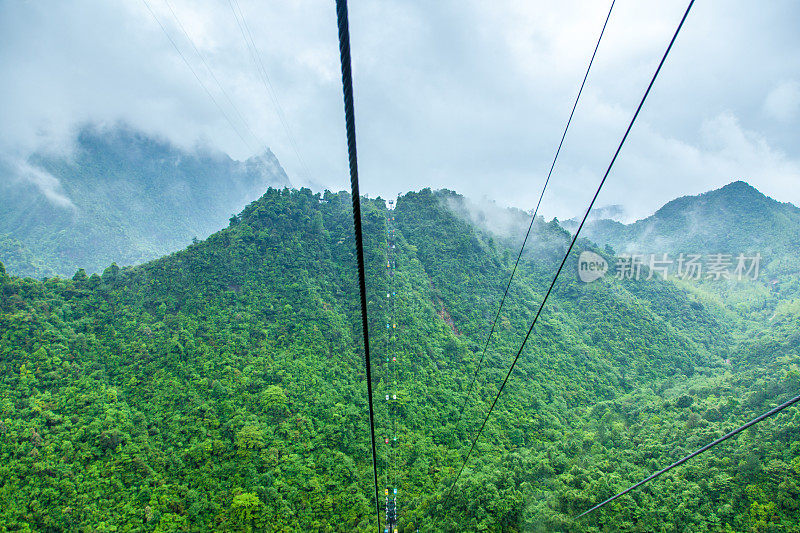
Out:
{"x": 731, "y": 220}
{"x": 222, "y": 387}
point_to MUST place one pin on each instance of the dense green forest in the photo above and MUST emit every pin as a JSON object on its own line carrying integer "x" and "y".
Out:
{"x": 222, "y": 388}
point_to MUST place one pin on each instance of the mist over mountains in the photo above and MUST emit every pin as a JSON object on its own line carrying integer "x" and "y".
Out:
{"x": 120, "y": 196}
{"x": 736, "y": 217}
{"x": 217, "y": 384}
{"x": 123, "y": 196}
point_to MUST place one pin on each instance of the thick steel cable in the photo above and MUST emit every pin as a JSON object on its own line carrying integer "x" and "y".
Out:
{"x": 693, "y": 454}
{"x": 572, "y": 244}
{"x": 350, "y": 125}
{"x": 533, "y": 217}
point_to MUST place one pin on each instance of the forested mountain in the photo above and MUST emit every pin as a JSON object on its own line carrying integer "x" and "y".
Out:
{"x": 735, "y": 219}
{"x": 222, "y": 388}
{"x": 120, "y": 196}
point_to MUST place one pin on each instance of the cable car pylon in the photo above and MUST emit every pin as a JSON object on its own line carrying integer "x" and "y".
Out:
{"x": 390, "y": 493}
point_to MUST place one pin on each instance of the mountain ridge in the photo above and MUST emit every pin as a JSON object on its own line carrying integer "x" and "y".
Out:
{"x": 688, "y": 220}
{"x": 123, "y": 196}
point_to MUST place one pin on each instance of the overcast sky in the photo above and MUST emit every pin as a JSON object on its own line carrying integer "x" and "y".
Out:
{"x": 466, "y": 95}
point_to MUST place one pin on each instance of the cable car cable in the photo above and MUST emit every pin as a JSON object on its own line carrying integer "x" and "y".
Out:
{"x": 255, "y": 55}
{"x": 197, "y": 77}
{"x": 533, "y": 217}
{"x": 391, "y": 377}
{"x": 214, "y": 77}
{"x": 572, "y": 243}
{"x": 350, "y": 127}
{"x": 693, "y": 454}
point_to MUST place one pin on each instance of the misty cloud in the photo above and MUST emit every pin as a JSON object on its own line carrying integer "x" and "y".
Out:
{"x": 487, "y": 215}
{"x": 45, "y": 183}
{"x": 783, "y": 102}
{"x": 448, "y": 94}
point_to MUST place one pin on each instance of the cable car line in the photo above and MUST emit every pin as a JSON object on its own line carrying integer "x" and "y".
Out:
{"x": 255, "y": 55}
{"x": 693, "y": 454}
{"x": 197, "y": 77}
{"x": 214, "y": 77}
{"x": 392, "y": 514}
{"x": 350, "y": 127}
{"x": 533, "y": 217}
{"x": 572, "y": 243}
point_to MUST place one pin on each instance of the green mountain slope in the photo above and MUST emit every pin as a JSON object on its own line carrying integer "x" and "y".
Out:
{"x": 120, "y": 197}
{"x": 233, "y": 375}
{"x": 222, "y": 387}
{"x": 736, "y": 219}
{"x": 598, "y": 401}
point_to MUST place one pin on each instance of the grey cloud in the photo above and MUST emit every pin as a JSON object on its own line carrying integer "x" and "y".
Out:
{"x": 448, "y": 94}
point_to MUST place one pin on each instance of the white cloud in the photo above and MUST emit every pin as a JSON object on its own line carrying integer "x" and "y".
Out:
{"x": 448, "y": 94}
{"x": 659, "y": 167}
{"x": 45, "y": 182}
{"x": 783, "y": 102}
